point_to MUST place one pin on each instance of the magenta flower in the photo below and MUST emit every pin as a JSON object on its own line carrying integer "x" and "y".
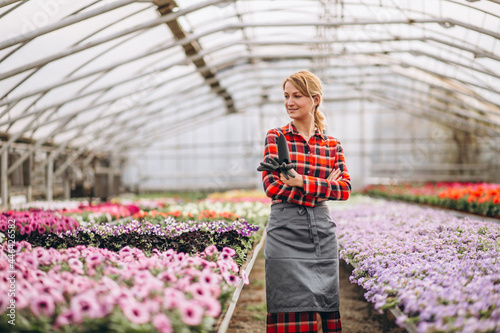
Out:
{"x": 191, "y": 312}
{"x": 136, "y": 313}
{"x": 68, "y": 317}
{"x": 172, "y": 298}
{"x": 162, "y": 323}
{"x": 42, "y": 305}
{"x": 212, "y": 306}
{"x": 231, "y": 252}
{"x": 198, "y": 290}
{"x": 231, "y": 279}
{"x": 244, "y": 276}
{"x": 86, "y": 304}
{"x": 211, "y": 250}
{"x": 76, "y": 265}
{"x": 167, "y": 276}
{"x": 94, "y": 260}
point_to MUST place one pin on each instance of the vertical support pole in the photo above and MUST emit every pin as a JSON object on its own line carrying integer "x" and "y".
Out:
{"x": 50, "y": 177}
{"x": 111, "y": 177}
{"x": 5, "y": 179}
{"x": 67, "y": 188}
{"x": 363, "y": 150}
{"x": 29, "y": 193}
{"x": 28, "y": 174}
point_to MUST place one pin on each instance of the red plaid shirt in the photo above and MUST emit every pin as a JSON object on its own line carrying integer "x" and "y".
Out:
{"x": 314, "y": 160}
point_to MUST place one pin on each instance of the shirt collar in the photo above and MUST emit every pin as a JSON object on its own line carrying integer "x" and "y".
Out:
{"x": 290, "y": 128}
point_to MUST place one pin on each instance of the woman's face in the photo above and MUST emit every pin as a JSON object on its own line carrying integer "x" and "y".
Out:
{"x": 298, "y": 106}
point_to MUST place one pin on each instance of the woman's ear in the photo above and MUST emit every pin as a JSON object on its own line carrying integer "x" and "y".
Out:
{"x": 317, "y": 100}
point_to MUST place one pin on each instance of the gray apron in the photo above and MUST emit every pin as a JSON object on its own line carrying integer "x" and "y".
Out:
{"x": 302, "y": 263}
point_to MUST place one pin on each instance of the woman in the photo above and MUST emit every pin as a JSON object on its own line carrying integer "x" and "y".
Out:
{"x": 301, "y": 247}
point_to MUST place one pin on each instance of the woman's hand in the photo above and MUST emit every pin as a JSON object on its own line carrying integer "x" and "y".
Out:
{"x": 334, "y": 176}
{"x": 296, "y": 181}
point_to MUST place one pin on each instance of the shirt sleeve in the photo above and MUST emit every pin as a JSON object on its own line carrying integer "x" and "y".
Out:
{"x": 273, "y": 186}
{"x": 332, "y": 190}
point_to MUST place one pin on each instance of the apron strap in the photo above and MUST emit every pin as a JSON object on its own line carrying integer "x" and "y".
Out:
{"x": 313, "y": 229}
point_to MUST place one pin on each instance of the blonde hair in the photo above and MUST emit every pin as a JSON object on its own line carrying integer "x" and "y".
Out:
{"x": 309, "y": 85}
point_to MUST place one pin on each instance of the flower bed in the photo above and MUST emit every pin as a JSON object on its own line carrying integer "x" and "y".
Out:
{"x": 86, "y": 289}
{"x": 239, "y": 196}
{"x": 103, "y": 212}
{"x": 188, "y": 237}
{"x": 36, "y": 221}
{"x": 475, "y": 198}
{"x": 104, "y": 277}
{"x": 442, "y": 271}
{"x": 207, "y": 215}
{"x": 257, "y": 212}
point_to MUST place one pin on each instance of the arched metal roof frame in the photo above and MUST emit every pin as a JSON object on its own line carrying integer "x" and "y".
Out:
{"x": 305, "y": 55}
{"x": 3, "y": 103}
{"x": 442, "y": 119}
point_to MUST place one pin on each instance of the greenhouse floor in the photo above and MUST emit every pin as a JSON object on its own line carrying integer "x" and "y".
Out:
{"x": 357, "y": 314}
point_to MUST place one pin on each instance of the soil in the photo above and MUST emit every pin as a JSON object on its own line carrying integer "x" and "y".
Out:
{"x": 358, "y": 316}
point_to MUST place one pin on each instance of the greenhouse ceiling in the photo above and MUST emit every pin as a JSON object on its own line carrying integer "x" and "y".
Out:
{"x": 117, "y": 75}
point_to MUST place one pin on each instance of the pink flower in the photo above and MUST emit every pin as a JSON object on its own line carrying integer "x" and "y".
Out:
{"x": 42, "y": 305}
{"x": 125, "y": 252}
{"x": 231, "y": 279}
{"x": 68, "y": 317}
{"x": 30, "y": 261}
{"x": 21, "y": 300}
{"x": 209, "y": 277}
{"x": 167, "y": 276}
{"x": 198, "y": 290}
{"x": 94, "y": 260}
{"x": 86, "y": 304}
{"x": 135, "y": 312}
{"x": 191, "y": 312}
{"x": 76, "y": 265}
{"x": 231, "y": 252}
{"x": 162, "y": 323}
{"x": 244, "y": 276}
{"x": 211, "y": 250}
{"x": 224, "y": 256}
{"x": 211, "y": 305}
{"x": 172, "y": 297}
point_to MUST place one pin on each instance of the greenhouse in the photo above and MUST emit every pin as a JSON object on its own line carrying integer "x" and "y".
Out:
{"x": 131, "y": 133}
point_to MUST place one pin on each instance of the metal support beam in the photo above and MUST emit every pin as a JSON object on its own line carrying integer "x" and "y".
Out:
{"x": 111, "y": 177}
{"x": 50, "y": 178}
{"x": 5, "y": 178}
{"x": 64, "y": 23}
{"x": 67, "y": 189}
{"x": 193, "y": 48}
{"x": 35, "y": 146}
{"x": 123, "y": 32}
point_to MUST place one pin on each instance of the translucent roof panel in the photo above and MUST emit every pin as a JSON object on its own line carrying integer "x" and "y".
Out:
{"x": 96, "y": 69}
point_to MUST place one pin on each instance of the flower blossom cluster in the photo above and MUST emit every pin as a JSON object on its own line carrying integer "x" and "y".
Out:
{"x": 37, "y": 221}
{"x": 82, "y": 286}
{"x": 239, "y": 196}
{"x": 441, "y": 270}
{"x": 50, "y": 205}
{"x": 203, "y": 215}
{"x": 256, "y": 211}
{"x": 115, "y": 210}
{"x": 479, "y": 193}
{"x": 170, "y": 227}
